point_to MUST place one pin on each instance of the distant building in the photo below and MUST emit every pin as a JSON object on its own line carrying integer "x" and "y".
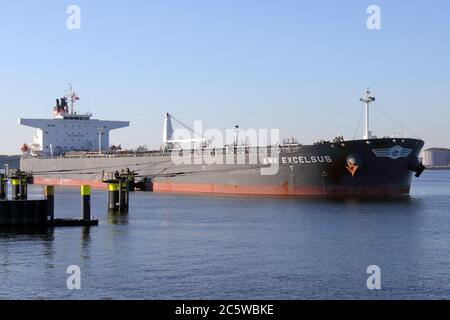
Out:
{"x": 12, "y": 161}
{"x": 436, "y": 157}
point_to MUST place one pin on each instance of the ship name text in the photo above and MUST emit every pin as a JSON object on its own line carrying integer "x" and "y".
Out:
{"x": 298, "y": 160}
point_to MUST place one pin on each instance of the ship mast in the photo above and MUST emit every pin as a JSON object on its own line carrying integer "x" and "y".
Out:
{"x": 367, "y": 99}
{"x": 72, "y": 97}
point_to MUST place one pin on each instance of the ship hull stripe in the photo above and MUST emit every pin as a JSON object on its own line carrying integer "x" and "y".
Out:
{"x": 281, "y": 190}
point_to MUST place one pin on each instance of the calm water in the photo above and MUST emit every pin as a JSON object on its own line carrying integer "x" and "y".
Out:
{"x": 217, "y": 247}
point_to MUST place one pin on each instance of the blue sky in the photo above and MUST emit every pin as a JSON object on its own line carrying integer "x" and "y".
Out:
{"x": 297, "y": 66}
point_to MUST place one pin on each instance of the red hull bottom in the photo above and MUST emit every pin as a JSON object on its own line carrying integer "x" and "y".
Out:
{"x": 281, "y": 190}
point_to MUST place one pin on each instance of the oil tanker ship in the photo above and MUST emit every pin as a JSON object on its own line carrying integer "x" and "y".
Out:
{"x": 73, "y": 149}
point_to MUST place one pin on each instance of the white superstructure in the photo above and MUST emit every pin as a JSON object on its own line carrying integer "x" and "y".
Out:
{"x": 69, "y": 130}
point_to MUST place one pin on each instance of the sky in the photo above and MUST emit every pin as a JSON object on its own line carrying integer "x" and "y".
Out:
{"x": 297, "y": 66}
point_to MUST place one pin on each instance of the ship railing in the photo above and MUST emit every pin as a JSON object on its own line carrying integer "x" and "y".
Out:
{"x": 187, "y": 152}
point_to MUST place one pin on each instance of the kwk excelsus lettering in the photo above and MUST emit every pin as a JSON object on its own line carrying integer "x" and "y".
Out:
{"x": 299, "y": 160}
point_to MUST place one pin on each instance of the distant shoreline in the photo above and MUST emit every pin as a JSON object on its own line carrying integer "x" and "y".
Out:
{"x": 12, "y": 161}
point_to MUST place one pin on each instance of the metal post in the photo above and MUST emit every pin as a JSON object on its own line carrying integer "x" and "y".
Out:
{"x": 50, "y": 206}
{"x": 131, "y": 180}
{"x": 123, "y": 194}
{"x": 15, "y": 188}
{"x": 113, "y": 196}
{"x": 6, "y": 169}
{"x": 86, "y": 202}
{"x": 367, "y": 121}
{"x": 23, "y": 186}
{"x": 367, "y": 99}
{"x": 127, "y": 197}
{"x": 100, "y": 132}
{"x": 3, "y": 192}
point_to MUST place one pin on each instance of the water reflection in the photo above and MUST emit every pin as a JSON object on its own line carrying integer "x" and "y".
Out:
{"x": 405, "y": 204}
{"x": 30, "y": 232}
{"x": 118, "y": 218}
{"x": 85, "y": 236}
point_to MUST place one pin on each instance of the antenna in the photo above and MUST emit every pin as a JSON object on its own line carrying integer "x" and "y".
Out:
{"x": 367, "y": 99}
{"x": 69, "y": 97}
{"x": 72, "y": 97}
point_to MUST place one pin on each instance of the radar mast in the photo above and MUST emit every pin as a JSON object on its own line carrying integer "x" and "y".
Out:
{"x": 367, "y": 99}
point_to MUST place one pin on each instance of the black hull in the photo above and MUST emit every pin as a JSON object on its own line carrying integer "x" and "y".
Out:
{"x": 376, "y": 167}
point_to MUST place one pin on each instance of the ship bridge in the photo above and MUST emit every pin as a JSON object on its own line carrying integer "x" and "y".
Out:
{"x": 69, "y": 130}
